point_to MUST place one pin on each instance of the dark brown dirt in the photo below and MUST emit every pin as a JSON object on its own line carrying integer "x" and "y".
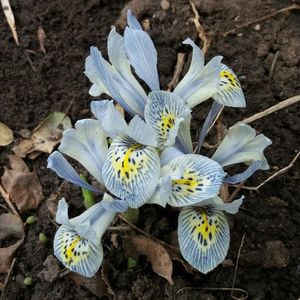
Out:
{"x": 269, "y": 265}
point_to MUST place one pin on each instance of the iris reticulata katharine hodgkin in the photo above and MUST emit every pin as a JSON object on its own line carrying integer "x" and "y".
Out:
{"x": 151, "y": 158}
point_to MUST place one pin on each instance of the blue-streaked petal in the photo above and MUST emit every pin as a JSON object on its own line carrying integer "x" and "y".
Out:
{"x": 76, "y": 253}
{"x": 87, "y": 144}
{"x": 203, "y": 235}
{"x": 168, "y": 154}
{"x": 142, "y": 56}
{"x": 230, "y": 92}
{"x": 212, "y": 114}
{"x": 241, "y": 144}
{"x": 132, "y": 21}
{"x": 126, "y": 84}
{"x": 113, "y": 204}
{"x": 184, "y": 135}
{"x": 232, "y": 207}
{"x": 95, "y": 90}
{"x": 142, "y": 132}
{"x": 201, "y": 178}
{"x": 109, "y": 117}
{"x": 165, "y": 111}
{"x": 63, "y": 169}
{"x": 131, "y": 170}
{"x": 244, "y": 175}
{"x": 62, "y": 215}
{"x": 201, "y": 82}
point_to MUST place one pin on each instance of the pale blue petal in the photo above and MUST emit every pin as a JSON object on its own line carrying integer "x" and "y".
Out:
{"x": 63, "y": 169}
{"x": 244, "y": 175}
{"x": 230, "y": 92}
{"x": 76, "y": 253}
{"x": 95, "y": 90}
{"x": 131, "y": 170}
{"x": 165, "y": 112}
{"x": 203, "y": 235}
{"x": 201, "y": 179}
{"x": 241, "y": 145}
{"x": 109, "y": 117}
{"x": 201, "y": 82}
{"x": 142, "y": 132}
{"x": 132, "y": 21}
{"x": 62, "y": 215}
{"x": 87, "y": 144}
{"x": 232, "y": 207}
{"x": 126, "y": 84}
{"x": 113, "y": 204}
{"x": 142, "y": 56}
{"x": 215, "y": 109}
{"x": 168, "y": 154}
{"x": 184, "y": 135}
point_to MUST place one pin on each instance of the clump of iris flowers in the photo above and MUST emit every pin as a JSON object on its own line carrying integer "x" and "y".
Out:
{"x": 151, "y": 158}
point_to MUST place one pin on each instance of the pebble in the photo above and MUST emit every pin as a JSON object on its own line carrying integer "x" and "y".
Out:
{"x": 257, "y": 27}
{"x": 165, "y": 4}
{"x": 240, "y": 34}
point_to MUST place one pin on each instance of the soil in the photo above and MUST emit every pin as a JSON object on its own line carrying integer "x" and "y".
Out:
{"x": 269, "y": 265}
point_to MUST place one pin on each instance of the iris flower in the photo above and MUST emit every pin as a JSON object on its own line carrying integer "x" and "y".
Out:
{"x": 77, "y": 242}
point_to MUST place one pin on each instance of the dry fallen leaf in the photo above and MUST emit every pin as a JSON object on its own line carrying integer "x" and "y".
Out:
{"x": 23, "y": 186}
{"x": 156, "y": 253}
{"x": 45, "y": 137}
{"x": 11, "y": 226}
{"x": 51, "y": 270}
{"x": 95, "y": 285}
{"x": 10, "y": 19}
{"x": 6, "y": 135}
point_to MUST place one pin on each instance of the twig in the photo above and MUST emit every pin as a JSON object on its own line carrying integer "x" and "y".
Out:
{"x": 6, "y": 197}
{"x": 119, "y": 228}
{"x": 236, "y": 266}
{"x": 177, "y": 71}
{"x": 256, "y": 188}
{"x": 10, "y": 19}
{"x": 263, "y": 18}
{"x": 7, "y": 277}
{"x": 201, "y": 32}
{"x": 4, "y": 207}
{"x": 272, "y": 109}
{"x": 225, "y": 289}
{"x": 273, "y": 65}
{"x": 234, "y": 193}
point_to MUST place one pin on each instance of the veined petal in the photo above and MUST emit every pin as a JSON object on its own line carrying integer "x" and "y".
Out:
{"x": 87, "y": 144}
{"x": 132, "y": 21}
{"x": 109, "y": 117}
{"x": 203, "y": 235}
{"x": 168, "y": 154}
{"x": 95, "y": 90}
{"x": 142, "y": 132}
{"x": 201, "y": 82}
{"x": 230, "y": 92}
{"x": 63, "y": 169}
{"x": 218, "y": 203}
{"x": 131, "y": 170}
{"x": 114, "y": 205}
{"x": 128, "y": 87}
{"x": 76, "y": 253}
{"x": 165, "y": 111}
{"x": 211, "y": 116}
{"x": 201, "y": 179}
{"x": 142, "y": 54}
{"x": 62, "y": 215}
{"x": 184, "y": 135}
{"x": 241, "y": 144}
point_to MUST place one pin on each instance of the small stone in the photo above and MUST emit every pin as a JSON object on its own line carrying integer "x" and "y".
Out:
{"x": 276, "y": 255}
{"x": 240, "y": 34}
{"x": 146, "y": 24}
{"x": 165, "y": 4}
{"x": 257, "y": 27}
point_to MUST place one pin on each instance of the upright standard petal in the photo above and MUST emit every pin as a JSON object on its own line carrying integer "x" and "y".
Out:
{"x": 197, "y": 178}
{"x": 241, "y": 144}
{"x": 203, "y": 235}
{"x": 63, "y": 169}
{"x": 109, "y": 117}
{"x": 131, "y": 170}
{"x": 165, "y": 111}
{"x": 87, "y": 144}
{"x": 132, "y": 21}
{"x": 200, "y": 82}
{"x": 142, "y": 53}
{"x": 229, "y": 92}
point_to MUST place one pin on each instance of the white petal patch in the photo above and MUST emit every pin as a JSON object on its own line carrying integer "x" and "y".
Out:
{"x": 230, "y": 92}
{"x": 131, "y": 170}
{"x": 165, "y": 111}
{"x": 201, "y": 179}
{"x": 204, "y": 237}
{"x": 76, "y": 253}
